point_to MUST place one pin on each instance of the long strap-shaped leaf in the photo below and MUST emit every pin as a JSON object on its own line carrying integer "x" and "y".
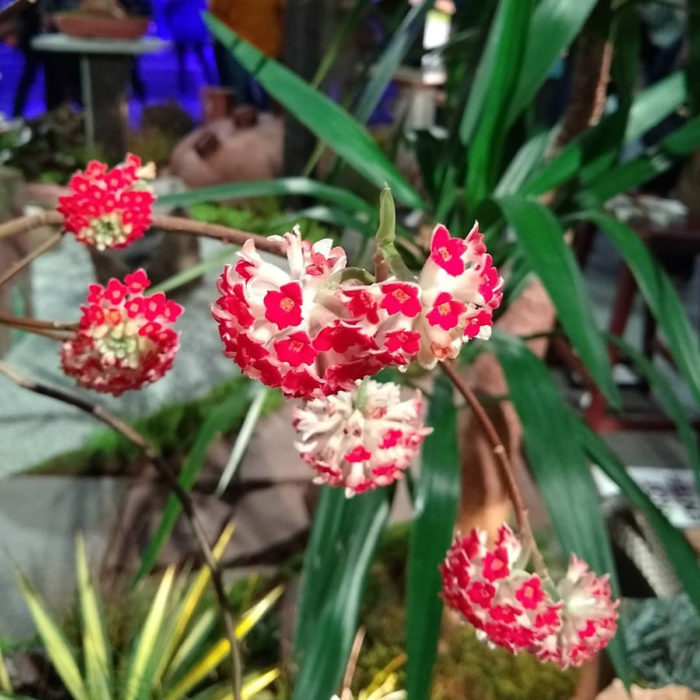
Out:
{"x": 559, "y": 465}
{"x": 648, "y": 109}
{"x": 215, "y": 654}
{"x": 385, "y": 68}
{"x": 541, "y": 238}
{"x": 636, "y": 172}
{"x": 325, "y": 655}
{"x": 96, "y": 649}
{"x": 299, "y": 186}
{"x": 436, "y": 497}
{"x": 667, "y": 397}
{"x": 150, "y": 645}
{"x": 676, "y": 547}
{"x": 659, "y": 293}
{"x": 327, "y": 120}
{"x": 57, "y": 646}
{"x": 554, "y": 25}
{"x": 508, "y": 34}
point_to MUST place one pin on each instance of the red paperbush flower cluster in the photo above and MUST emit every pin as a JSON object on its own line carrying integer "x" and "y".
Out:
{"x": 313, "y": 335}
{"x": 361, "y": 439}
{"x": 566, "y": 623}
{"x": 109, "y": 208}
{"x": 124, "y": 338}
{"x": 289, "y": 328}
{"x": 430, "y": 319}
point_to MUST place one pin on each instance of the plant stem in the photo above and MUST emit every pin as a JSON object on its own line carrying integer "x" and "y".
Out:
{"x": 501, "y": 454}
{"x": 27, "y": 259}
{"x": 26, "y": 223}
{"x": 26, "y": 323}
{"x": 179, "y": 224}
{"x": 165, "y": 472}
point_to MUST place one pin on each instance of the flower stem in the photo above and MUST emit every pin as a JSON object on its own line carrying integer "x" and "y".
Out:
{"x": 179, "y": 224}
{"x": 499, "y": 450}
{"x": 31, "y": 323}
{"x": 27, "y": 259}
{"x": 167, "y": 475}
{"x": 27, "y": 223}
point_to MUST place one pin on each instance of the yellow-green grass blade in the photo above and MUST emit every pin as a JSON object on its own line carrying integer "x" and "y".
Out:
{"x": 191, "y": 601}
{"x": 57, "y": 646}
{"x": 146, "y": 653}
{"x": 221, "y": 649}
{"x": 98, "y": 661}
{"x": 5, "y": 683}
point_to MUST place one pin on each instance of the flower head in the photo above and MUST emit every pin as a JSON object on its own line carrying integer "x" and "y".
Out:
{"x": 360, "y": 439}
{"x": 124, "y": 339}
{"x": 450, "y": 303}
{"x": 289, "y": 328}
{"x": 109, "y": 208}
{"x": 588, "y": 617}
{"x": 509, "y": 607}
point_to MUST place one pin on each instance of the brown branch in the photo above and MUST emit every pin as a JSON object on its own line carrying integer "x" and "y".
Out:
{"x": 26, "y": 323}
{"x": 27, "y": 223}
{"x": 501, "y": 454}
{"x": 30, "y": 257}
{"x": 163, "y": 469}
{"x": 174, "y": 224}
{"x": 179, "y": 224}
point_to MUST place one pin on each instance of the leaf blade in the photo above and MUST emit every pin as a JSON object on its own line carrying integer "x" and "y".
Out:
{"x": 659, "y": 293}
{"x": 435, "y": 507}
{"x": 328, "y": 121}
{"x": 541, "y": 239}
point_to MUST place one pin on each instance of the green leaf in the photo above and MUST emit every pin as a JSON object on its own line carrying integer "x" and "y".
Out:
{"x": 281, "y": 187}
{"x": 659, "y": 293}
{"x": 346, "y": 555}
{"x": 509, "y": 34}
{"x": 693, "y": 63}
{"x": 186, "y": 609}
{"x": 559, "y": 466}
{"x": 554, "y": 25}
{"x": 636, "y": 172}
{"x": 149, "y": 645}
{"x": 220, "y": 420}
{"x": 437, "y": 493}
{"x": 214, "y": 654}
{"x": 317, "y": 572}
{"x": 385, "y": 68}
{"x": 98, "y": 657}
{"x": 243, "y": 437}
{"x": 676, "y": 547}
{"x": 524, "y": 162}
{"x": 340, "y": 36}
{"x": 649, "y": 107}
{"x": 57, "y": 646}
{"x": 5, "y": 684}
{"x": 541, "y": 238}
{"x": 668, "y": 399}
{"x": 328, "y": 215}
{"x": 328, "y": 121}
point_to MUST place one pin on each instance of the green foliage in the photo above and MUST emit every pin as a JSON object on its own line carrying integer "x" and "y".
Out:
{"x": 435, "y": 504}
{"x": 168, "y": 646}
{"x": 662, "y": 637}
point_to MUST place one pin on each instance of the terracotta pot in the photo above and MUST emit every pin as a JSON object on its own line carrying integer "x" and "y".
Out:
{"x": 80, "y": 25}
